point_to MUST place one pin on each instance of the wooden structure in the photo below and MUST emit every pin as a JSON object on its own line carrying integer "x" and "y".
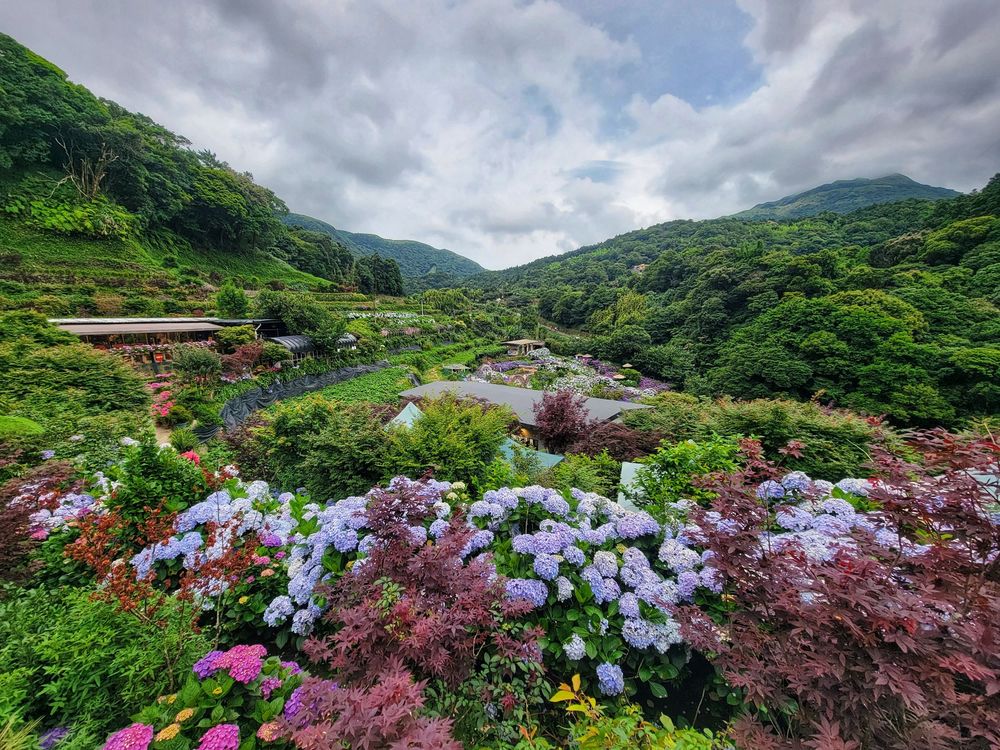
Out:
{"x": 520, "y": 347}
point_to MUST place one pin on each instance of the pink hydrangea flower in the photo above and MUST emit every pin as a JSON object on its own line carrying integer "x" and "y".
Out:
{"x": 243, "y": 662}
{"x": 134, "y": 737}
{"x": 221, "y": 737}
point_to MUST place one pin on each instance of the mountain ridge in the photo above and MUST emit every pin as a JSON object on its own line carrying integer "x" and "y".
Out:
{"x": 415, "y": 259}
{"x": 845, "y": 196}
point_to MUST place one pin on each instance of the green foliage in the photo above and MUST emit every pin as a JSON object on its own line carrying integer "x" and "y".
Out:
{"x": 835, "y": 443}
{"x": 414, "y": 258}
{"x": 598, "y": 474}
{"x": 231, "y": 302}
{"x": 84, "y": 400}
{"x": 196, "y": 364}
{"x": 382, "y": 387}
{"x": 866, "y": 309}
{"x": 19, "y": 427}
{"x": 16, "y": 735}
{"x": 154, "y": 477}
{"x": 232, "y": 337}
{"x": 68, "y": 658}
{"x": 456, "y": 438}
{"x": 183, "y": 440}
{"x": 347, "y": 455}
{"x": 844, "y": 196}
{"x": 673, "y": 472}
{"x": 301, "y": 315}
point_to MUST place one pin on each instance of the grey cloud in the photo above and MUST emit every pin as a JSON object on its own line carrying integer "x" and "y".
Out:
{"x": 478, "y": 125}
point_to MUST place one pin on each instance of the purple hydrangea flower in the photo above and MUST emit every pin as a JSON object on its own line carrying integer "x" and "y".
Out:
{"x": 687, "y": 582}
{"x": 575, "y": 649}
{"x": 607, "y": 563}
{"x": 770, "y": 490}
{"x": 628, "y": 605}
{"x": 635, "y": 525}
{"x": 205, "y": 666}
{"x": 564, "y": 588}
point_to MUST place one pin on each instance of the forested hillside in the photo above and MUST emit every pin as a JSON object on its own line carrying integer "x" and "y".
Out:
{"x": 891, "y": 309}
{"x": 415, "y": 259}
{"x": 844, "y": 196}
{"x": 97, "y": 200}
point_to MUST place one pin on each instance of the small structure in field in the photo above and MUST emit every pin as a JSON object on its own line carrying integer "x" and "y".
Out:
{"x": 520, "y": 347}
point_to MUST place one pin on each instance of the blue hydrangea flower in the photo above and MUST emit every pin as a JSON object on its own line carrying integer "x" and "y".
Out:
{"x": 529, "y": 589}
{"x": 796, "y": 481}
{"x": 278, "y": 611}
{"x": 546, "y": 567}
{"x": 687, "y": 582}
{"x": 794, "y": 518}
{"x": 637, "y": 633}
{"x": 555, "y": 504}
{"x": 770, "y": 490}
{"x": 575, "y": 649}
{"x": 574, "y": 555}
{"x": 607, "y": 563}
{"x": 711, "y": 579}
{"x": 610, "y": 679}
{"x": 628, "y": 605}
{"x": 860, "y": 487}
{"x": 635, "y": 525}
{"x": 677, "y": 557}
{"x": 418, "y": 535}
{"x": 524, "y": 544}
{"x": 564, "y": 588}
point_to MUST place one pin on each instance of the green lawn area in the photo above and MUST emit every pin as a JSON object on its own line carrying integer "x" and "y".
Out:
{"x": 380, "y": 387}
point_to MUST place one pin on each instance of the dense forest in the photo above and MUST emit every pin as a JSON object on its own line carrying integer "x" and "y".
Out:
{"x": 77, "y": 165}
{"x": 422, "y": 266}
{"x": 891, "y": 309}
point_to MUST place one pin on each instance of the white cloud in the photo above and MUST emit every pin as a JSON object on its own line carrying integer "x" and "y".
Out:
{"x": 467, "y": 125}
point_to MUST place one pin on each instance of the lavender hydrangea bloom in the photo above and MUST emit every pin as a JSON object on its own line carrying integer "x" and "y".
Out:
{"x": 564, "y": 588}
{"x": 635, "y": 525}
{"x": 479, "y": 540}
{"x": 676, "y": 556}
{"x": 418, "y": 535}
{"x": 574, "y": 556}
{"x": 205, "y": 666}
{"x": 860, "y": 487}
{"x": 575, "y": 649}
{"x": 606, "y": 563}
{"x": 345, "y": 540}
{"x": 711, "y": 579}
{"x": 796, "y": 481}
{"x": 278, "y": 610}
{"x": 687, "y": 582}
{"x": 628, "y": 605}
{"x": 504, "y": 497}
{"x": 770, "y": 490}
{"x": 529, "y": 589}
{"x": 546, "y": 567}
{"x": 838, "y": 507}
{"x": 637, "y": 633}
{"x": 524, "y": 544}
{"x": 831, "y": 526}
{"x": 555, "y": 504}
{"x": 611, "y": 681}
{"x": 794, "y": 518}
{"x": 438, "y": 527}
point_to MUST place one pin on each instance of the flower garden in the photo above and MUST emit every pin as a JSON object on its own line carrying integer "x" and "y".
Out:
{"x": 765, "y": 609}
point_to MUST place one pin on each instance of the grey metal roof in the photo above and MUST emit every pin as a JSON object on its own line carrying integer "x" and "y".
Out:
{"x": 109, "y": 329}
{"x": 520, "y": 400}
{"x": 140, "y": 321}
{"x": 295, "y": 344}
{"x": 347, "y": 338}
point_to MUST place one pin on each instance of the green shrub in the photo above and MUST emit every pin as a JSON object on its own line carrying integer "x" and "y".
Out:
{"x": 154, "y": 477}
{"x": 598, "y": 474}
{"x": 66, "y": 658}
{"x": 347, "y": 456}
{"x": 672, "y": 472}
{"x": 19, "y": 427}
{"x": 178, "y": 414}
{"x": 206, "y": 415}
{"x": 183, "y": 440}
{"x": 231, "y": 302}
{"x": 196, "y": 364}
{"x": 232, "y": 337}
{"x": 456, "y": 438}
{"x": 835, "y": 442}
{"x": 274, "y": 353}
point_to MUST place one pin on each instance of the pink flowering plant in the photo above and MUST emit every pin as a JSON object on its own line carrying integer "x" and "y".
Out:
{"x": 232, "y": 699}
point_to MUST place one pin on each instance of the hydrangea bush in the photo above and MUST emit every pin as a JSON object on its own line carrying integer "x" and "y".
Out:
{"x": 234, "y": 698}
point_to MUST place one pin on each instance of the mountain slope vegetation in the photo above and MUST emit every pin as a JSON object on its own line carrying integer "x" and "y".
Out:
{"x": 92, "y": 192}
{"x": 844, "y": 196}
{"x": 891, "y": 309}
{"x": 415, "y": 259}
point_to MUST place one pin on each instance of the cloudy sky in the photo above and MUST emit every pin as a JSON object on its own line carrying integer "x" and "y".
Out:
{"x": 512, "y": 129}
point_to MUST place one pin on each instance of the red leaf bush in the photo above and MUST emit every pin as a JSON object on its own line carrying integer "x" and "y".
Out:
{"x": 876, "y": 646}
{"x": 561, "y": 419}
{"x": 421, "y": 603}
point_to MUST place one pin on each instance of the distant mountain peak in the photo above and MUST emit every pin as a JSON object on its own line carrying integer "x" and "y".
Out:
{"x": 844, "y": 196}
{"x": 415, "y": 259}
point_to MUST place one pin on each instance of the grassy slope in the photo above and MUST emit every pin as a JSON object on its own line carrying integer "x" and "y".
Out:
{"x": 37, "y": 264}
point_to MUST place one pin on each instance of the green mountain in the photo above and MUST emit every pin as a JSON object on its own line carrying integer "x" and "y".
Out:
{"x": 415, "y": 259}
{"x": 844, "y": 196}
{"x": 103, "y": 211}
{"x": 891, "y": 309}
